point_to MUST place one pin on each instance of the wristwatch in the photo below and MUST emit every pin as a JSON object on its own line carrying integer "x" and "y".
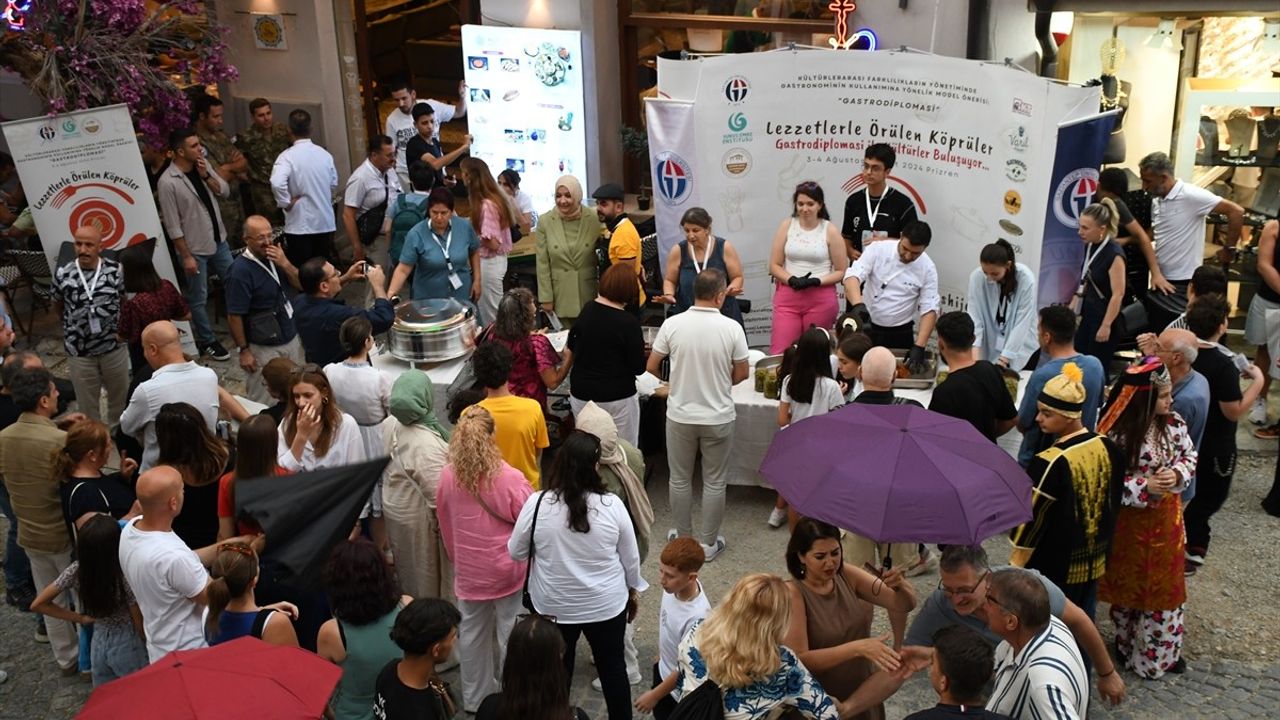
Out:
{"x": 243, "y": 347}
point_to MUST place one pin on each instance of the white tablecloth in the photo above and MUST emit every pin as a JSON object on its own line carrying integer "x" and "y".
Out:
{"x": 757, "y": 421}
{"x": 441, "y": 374}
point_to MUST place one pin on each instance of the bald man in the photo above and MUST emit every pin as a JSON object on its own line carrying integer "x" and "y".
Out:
{"x": 176, "y": 379}
{"x": 168, "y": 578}
{"x": 1178, "y": 349}
{"x": 88, "y": 292}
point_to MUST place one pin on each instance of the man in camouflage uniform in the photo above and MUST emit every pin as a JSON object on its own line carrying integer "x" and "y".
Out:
{"x": 261, "y": 142}
{"x": 223, "y": 156}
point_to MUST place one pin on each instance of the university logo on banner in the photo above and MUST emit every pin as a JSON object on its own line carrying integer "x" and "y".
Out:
{"x": 1074, "y": 193}
{"x": 736, "y": 89}
{"x": 674, "y": 177}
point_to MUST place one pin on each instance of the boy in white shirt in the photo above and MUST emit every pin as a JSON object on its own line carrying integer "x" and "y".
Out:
{"x": 683, "y": 604}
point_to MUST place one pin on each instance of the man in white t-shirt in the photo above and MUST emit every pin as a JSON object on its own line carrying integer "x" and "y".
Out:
{"x": 708, "y": 357}
{"x": 1178, "y": 210}
{"x": 399, "y": 125}
{"x": 168, "y": 578}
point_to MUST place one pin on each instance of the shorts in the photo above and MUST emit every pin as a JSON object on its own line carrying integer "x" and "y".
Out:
{"x": 1255, "y": 325}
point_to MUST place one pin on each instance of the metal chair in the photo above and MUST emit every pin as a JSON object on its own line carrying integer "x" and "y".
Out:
{"x": 25, "y": 269}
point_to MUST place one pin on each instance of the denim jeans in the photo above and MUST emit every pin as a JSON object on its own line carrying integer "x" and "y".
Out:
{"x": 117, "y": 651}
{"x": 17, "y": 568}
{"x": 196, "y": 288}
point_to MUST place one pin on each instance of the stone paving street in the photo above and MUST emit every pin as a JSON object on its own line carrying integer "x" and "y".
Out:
{"x": 1227, "y": 685}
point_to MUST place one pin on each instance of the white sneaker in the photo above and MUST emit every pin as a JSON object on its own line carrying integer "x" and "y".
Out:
{"x": 713, "y": 551}
{"x": 778, "y": 517}
{"x": 595, "y": 684}
{"x": 1258, "y": 412}
{"x": 671, "y": 534}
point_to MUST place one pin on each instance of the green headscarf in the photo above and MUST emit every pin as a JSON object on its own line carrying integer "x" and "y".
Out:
{"x": 412, "y": 396}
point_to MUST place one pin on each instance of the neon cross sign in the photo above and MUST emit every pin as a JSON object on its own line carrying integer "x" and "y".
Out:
{"x": 843, "y": 40}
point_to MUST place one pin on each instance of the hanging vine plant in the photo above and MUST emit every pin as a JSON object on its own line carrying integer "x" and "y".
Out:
{"x": 76, "y": 54}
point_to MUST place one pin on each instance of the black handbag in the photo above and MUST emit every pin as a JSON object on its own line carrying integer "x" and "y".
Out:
{"x": 264, "y": 328}
{"x": 525, "y": 598}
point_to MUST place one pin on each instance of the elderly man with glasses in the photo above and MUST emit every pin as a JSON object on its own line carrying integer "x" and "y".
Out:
{"x": 961, "y": 599}
{"x": 259, "y": 312}
{"x": 1039, "y": 671}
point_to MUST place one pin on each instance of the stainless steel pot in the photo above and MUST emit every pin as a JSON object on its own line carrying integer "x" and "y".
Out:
{"x": 433, "y": 330}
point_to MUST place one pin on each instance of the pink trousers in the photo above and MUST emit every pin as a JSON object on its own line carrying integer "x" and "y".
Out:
{"x": 795, "y": 310}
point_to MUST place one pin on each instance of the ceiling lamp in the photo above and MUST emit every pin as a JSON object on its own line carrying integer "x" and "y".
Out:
{"x": 1164, "y": 36}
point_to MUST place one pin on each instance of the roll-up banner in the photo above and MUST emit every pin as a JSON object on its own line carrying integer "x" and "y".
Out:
{"x": 671, "y": 161}
{"x": 972, "y": 140}
{"x": 1081, "y": 144}
{"x": 84, "y": 168}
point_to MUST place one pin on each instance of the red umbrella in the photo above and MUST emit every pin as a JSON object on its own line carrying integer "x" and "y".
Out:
{"x": 244, "y": 679}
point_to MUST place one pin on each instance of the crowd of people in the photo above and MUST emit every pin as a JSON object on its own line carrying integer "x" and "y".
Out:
{"x": 483, "y": 546}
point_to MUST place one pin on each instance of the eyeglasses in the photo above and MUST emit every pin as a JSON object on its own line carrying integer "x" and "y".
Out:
{"x": 949, "y": 592}
{"x": 992, "y": 599}
{"x": 237, "y": 547}
{"x": 540, "y": 616}
{"x": 301, "y": 370}
{"x": 807, "y": 185}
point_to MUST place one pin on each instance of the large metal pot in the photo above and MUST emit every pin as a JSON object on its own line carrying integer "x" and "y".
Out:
{"x": 433, "y": 330}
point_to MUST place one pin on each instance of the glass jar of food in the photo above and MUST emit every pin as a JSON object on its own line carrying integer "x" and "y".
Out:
{"x": 771, "y": 384}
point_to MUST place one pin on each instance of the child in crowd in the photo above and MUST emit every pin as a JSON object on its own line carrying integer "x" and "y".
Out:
{"x": 961, "y": 667}
{"x": 849, "y": 352}
{"x": 410, "y": 689}
{"x": 807, "y": 390}
{"x": 683, "y": 604}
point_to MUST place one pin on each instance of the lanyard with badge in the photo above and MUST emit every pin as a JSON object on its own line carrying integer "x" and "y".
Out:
{"x": 872, "y": 213}
{"x": 455, "y": 282}
{"x": 693, "y": 255}
{"x": 1077, "y": 300}
{"x": 270, "y": 269}
{"x": 95, "y": 324}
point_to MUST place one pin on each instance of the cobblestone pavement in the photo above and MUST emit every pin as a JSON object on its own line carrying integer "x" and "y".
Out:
{"x": 1232, "y": 627}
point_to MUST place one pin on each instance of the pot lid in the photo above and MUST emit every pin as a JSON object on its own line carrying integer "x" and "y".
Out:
{"x": 431, "y": 315}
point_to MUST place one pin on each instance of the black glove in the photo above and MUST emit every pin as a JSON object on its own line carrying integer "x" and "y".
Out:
{"x": 862, "y": 315}
{"x": 810, "y": 282}
{"x": 915, "y": 360}
{"x": 798, "y": 282}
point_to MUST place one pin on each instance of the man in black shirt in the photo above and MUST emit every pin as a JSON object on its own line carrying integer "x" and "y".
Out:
{"x": 974, "y": 390}
{"x": 426, "y": 148}
{"x": 959, "y": 671}
{"x": 876, "y": 212}
{"x": 879, "y": 367}
{"x": 410, "y": 689}
{"x": 1207, "y": 319}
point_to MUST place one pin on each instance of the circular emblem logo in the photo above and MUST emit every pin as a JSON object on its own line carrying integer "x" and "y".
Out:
{"x": 736, "y": 89}
{"x": 673, "y": 177}
{"x": 1012, "y": 202}
{"x": 48, "y": 132}
{"x": 69, "y": 125}
{"x": 268, "y": 31}
{"x": 736, "y": 162}
{"x": 1073, "y": 195}
{"x": 1015, "y": 170}
{"x": 92, "y": 126}
{"x": 737, "y": 122}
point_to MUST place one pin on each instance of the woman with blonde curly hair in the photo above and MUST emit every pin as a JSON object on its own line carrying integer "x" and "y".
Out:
{"x": 478, "y": 500}
{"x": 739, "y": 648}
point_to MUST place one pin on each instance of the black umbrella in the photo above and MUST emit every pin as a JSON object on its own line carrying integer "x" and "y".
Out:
{"x": 306, "y": 514}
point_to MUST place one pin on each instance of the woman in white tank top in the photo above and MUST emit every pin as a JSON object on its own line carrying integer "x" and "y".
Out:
{"x": 807, "y": 261}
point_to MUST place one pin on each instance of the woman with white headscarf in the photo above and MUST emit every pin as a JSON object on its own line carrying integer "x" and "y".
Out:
{"x": 621, "y": 470}
{"x": 565, "y": 241}
{"x": 419, "y": 448}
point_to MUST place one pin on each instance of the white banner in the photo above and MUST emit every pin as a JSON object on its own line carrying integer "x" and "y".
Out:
{"x": 84, "y": 168}
{"x": 525, "y": 105}
{"x": 972, "y": 141}
{"x": 671, "y": 156}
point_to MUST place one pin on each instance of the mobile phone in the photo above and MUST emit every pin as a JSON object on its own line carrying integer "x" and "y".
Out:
{"x": 1241, "y": 362}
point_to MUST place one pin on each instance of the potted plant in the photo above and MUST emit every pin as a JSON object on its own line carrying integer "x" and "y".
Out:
{"x": 635, "y": 142}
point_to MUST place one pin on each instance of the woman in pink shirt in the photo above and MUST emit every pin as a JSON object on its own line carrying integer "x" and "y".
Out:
{"x": 477, "y": 502}
{"x": 492, "y": 215}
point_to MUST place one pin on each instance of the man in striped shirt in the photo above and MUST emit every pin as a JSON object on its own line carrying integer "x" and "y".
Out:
{"x": 1039, "y": 671}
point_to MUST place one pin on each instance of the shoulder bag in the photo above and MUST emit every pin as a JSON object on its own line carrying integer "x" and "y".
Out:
{"x": 525, "y": 598}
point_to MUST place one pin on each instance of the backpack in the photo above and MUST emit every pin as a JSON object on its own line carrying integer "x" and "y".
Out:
{"x": 706, "y": 702}
{"x": 405, "y": 215}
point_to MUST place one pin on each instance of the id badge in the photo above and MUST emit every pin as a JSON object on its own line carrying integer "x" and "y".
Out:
{"x": 288, "y": 309}
{"x": 455, "y": 282}
{"x": 95, "y": 325}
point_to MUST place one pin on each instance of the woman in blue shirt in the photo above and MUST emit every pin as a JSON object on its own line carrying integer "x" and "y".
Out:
{"x": 442, "y": 252}
{"x": 1002, "y": 303}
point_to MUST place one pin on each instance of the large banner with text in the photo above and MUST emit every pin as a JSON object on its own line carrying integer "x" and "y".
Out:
{"x": 972, "y": 141}
{"x": 84, "y": 168}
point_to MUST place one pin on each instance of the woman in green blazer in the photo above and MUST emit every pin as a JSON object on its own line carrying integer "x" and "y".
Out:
{"x": 566, "y": 241}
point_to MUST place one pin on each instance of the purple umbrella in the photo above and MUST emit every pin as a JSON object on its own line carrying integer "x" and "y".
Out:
{"x": 899, "y": 473}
